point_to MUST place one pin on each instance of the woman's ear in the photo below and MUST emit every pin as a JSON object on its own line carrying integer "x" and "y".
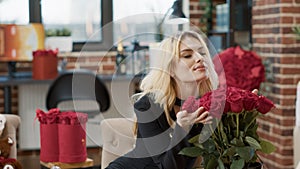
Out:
{"x": 172, "y": 74}
{"x": 171, "y": 71}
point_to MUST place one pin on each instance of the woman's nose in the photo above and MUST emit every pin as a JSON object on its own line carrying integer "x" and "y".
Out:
{"x": 198, "y": 58}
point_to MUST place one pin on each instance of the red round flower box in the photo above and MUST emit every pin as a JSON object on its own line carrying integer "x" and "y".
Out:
{"x": 44, "y": 65}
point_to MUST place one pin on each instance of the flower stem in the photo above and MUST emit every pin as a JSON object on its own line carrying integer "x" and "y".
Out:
{"x": 237, "y": 125}
{"x": 215, "y": 138}
{"x": 253, "y": 119}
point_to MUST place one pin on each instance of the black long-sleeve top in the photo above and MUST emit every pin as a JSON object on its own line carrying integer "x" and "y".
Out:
{"x": 157, "y": 144}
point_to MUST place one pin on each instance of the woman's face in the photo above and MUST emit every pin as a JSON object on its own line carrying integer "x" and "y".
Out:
{"x": 191, "y": 66}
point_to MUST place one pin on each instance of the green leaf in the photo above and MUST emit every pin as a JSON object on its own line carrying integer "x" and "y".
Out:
{"x": 253, "y": 143}
{"x": 237, "y": 164}
{"x": 209, "y": 145}
{"x": 212, "y": 163}
{"x": 245, "y": 153}
{"x": 237, "y": 142}
{"x": 221, "y": 164}
{"x": 267, "y": 147}
{"x": 192, "y": 151}
{"x": 229, "y": 152}
{"x": 194, "y": 139}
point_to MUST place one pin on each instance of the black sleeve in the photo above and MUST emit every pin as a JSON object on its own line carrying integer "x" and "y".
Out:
{"x": 158, "y": 139}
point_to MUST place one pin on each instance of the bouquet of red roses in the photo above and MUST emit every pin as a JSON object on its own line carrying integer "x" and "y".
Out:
{"x": 232, "y": 140}
{"x": 226, "y": 100}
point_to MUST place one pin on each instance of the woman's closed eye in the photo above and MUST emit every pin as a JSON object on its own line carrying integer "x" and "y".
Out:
{"x": 187, "y": 56}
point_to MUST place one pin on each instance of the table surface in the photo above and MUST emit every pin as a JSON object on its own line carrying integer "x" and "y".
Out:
{"x": 8, "y": 81}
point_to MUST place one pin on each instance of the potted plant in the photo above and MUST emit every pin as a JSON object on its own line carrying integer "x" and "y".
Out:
{"x": 59, "y": 39}
{"x": 231, "y": 141}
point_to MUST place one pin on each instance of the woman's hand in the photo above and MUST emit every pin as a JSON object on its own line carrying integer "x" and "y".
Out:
{"x": 187, "y": 120}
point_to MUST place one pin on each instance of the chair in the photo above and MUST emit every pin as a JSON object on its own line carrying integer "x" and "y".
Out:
{"x": 11, "y": 126}
{"x": 118, "y": 138}
{"x": 79, "y": 85}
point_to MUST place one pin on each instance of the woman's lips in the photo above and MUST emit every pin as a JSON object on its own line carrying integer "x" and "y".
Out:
{"x": 199, "y": 68}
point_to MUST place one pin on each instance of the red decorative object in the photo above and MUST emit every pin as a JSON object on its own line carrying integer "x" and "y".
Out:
{"x": 229, "y": 100}
{"x": 44, "y": 64}
{"x": 243, "y": 69}
{"x": 49, "y": 151}
{"x": 62, "y": 136}
{"x": 72, "y": 137}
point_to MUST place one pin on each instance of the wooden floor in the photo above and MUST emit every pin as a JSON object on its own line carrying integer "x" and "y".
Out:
{"x": 31, "y": 159}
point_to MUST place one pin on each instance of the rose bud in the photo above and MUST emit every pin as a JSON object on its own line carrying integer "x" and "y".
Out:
{"x": 190, "y": 104}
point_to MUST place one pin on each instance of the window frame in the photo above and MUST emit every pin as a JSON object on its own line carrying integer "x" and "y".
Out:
{"x": 35, "y": 16}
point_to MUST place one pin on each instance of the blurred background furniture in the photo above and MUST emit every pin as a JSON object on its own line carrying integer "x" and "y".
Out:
{"x": 78, "y": 85}
{"x": 11, "y": 126}
{"x": 118, "y": 138}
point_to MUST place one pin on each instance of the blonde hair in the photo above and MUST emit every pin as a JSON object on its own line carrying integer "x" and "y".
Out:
{"x": 159, "y": 83}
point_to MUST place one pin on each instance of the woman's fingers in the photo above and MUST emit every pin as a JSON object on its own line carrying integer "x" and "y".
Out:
{"x": 204, "y": 118}
{"x": 199, "y": 116}
{"x": 255, "y": 91}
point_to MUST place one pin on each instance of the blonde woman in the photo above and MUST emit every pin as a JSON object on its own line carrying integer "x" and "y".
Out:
{"x": 163, "y": 129}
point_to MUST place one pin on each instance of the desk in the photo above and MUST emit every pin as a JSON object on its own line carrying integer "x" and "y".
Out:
{"x": 32, "y": 96}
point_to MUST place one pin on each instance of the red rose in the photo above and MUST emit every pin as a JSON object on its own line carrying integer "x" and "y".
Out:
{"x": 190, "y": 104}
{"x": 52, "y": 116}
{"x": 205, "y": 101}
{"x": 264, "y": 105}
{"x": 216, "y": 109}
{"x": 45, "y": 52}
{"x": 40, "y": 114}
{"x": 234, "y": 98}
{"x": 218, "y": 99}
{"x": 249, "y": 100}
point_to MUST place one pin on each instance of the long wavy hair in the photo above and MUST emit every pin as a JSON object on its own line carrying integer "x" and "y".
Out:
{"x": 159, "y": 83}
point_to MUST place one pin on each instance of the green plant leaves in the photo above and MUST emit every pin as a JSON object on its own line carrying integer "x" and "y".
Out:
{"x": 233, "y": 143}
{"x": 253, "y": 143}
{"x": 212, "y": 163}
{"x": 192, "y": 151}
{"x": 237, "y": 164}
{"x": 58, "y": 32}
{"x": 267, "y": 147}
{"x": 245, "y": 153}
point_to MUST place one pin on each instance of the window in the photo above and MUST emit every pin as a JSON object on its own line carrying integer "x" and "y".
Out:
{"x": 10, "y": 13}
{"x": 140, "y": 20}
{"x": 95, "y": 24}
{"x": 84, "y": 18}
